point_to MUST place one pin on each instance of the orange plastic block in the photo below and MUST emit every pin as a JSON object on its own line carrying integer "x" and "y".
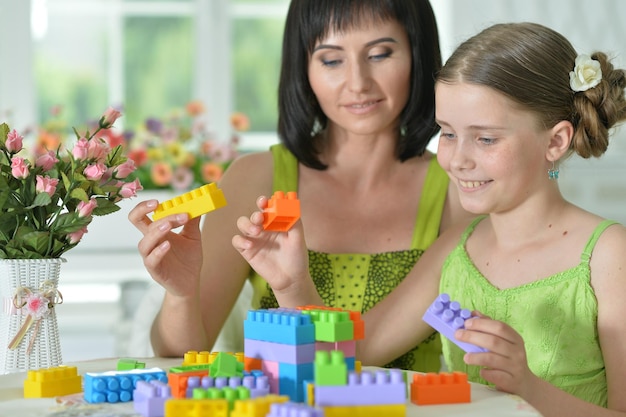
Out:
{"x": 282, "y": 212}
{"x": 251, "y": 364}
{"x": 195, "y": 202}
{"x": 196, "y": 408}
{"x": 52, "y": 382}
{"x": 178, "y": 381}
{"x": 441, "y": 388}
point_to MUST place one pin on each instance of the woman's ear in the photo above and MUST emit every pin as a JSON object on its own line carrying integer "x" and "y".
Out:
{"x": 560, "y": 139}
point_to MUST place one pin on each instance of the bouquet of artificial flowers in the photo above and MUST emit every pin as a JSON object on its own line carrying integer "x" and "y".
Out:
{"x": 47, "y": 199}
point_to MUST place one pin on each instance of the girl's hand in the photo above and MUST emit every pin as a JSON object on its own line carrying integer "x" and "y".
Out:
{"x": 505, "y": 364}
{"x": 172, "y": 259}
{"x": 281, "y": 258}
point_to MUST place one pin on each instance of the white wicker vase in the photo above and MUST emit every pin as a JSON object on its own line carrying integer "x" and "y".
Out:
{"x": 43, "y": 337}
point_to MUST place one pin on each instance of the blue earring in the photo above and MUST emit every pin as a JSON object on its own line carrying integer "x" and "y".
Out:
{"x": 553, "y": 173}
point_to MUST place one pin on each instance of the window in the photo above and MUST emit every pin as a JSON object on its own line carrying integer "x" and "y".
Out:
{"x": 153, "y": 56}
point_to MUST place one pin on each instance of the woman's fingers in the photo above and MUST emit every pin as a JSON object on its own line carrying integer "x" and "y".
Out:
{"x": 138, "y": 216}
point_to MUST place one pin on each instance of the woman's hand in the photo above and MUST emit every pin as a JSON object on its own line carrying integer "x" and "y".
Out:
{"x": 281, "y": 258}
{"x": 172, "y": 259}
{"x": 505, "y": 364}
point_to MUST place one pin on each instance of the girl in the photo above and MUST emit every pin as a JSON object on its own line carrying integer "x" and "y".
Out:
{"x": 547, "y": 279}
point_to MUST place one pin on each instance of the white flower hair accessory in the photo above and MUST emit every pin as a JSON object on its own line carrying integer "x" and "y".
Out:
{"x": 587, "y": 73}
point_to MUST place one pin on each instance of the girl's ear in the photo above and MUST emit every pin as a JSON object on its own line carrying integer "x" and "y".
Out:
{"x": 560, "y": 139}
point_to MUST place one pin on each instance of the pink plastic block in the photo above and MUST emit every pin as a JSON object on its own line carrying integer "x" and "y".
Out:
{"x": 149, "y": 398}
{"x": 446, "y": 317}
{"x": 366, "y": 388}
{"x": 270, "y": 368}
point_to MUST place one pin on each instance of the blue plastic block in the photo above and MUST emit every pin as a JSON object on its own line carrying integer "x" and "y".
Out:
{"x": 289, "y": 327}
{"x": 446, "y": 317}
{"x": 291, "y": 378}
{"x": 279, "y": 352}
{"x": 117, "y": 386}
{"x": 367, "y": 388}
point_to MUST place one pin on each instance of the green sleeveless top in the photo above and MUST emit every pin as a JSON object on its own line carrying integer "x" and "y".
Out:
{"x": 556, "y": 316}
{"x": 357, "y": 281}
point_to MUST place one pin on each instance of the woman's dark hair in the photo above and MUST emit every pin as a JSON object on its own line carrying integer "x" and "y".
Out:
{"x": 309, "y": 21}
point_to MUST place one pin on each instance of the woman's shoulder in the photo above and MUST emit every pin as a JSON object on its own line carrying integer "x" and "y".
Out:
{"x": 249, "y": 176}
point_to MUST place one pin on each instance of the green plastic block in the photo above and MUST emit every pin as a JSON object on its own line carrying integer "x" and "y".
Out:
{"x": 225, "y": 365}
{"x": 332, "y": 326}
{"x": 330, "y": 368}
{"x": 125, "y": 364}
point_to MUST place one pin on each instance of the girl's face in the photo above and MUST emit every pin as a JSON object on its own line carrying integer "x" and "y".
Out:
{"x": 361, "y": 76}
{"x": 492, "y": 150}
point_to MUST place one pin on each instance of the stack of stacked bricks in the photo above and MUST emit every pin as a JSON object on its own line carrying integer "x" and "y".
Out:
{"x": 282, "y": 343}
{"x": 341, "y": 392}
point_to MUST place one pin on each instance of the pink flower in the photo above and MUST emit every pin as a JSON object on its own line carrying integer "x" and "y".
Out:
{"x": 85, "y": 209}
{"x": 76, "y": 236}
{"x": 98, "y": 150}
{"x": 47, "y": 160}
{"x": 46, "y": 185}
{"x": 81, "y": 149}
{"x": 19, "y": 167}
{"x": 94, "y": 172}
{"x": 125, "y": 169}
{"x": 14, "y": 142}
{"x": 37, "y": 305}
{"x": 129, "y": 189}
{"x": 182, "y": 178}
{"x": 109, "y": 117}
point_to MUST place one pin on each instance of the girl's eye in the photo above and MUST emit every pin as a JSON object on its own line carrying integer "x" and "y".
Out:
{"x": 487, "y": 141}
{"x": 447, "y": 135}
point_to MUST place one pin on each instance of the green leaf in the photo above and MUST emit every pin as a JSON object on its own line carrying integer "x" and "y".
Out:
{"x": 36, "y": 241}
{"x": 41, "y": 200}
{"x": 105, "y": 207}
{"x": 69, "y": 223}
{"x": 79, "y": 194}
{"x": 66, "y": 181}
{"x": 4, "y": 131}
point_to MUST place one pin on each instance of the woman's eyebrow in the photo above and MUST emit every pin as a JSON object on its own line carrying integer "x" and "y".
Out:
{"x": 368, "y": 44}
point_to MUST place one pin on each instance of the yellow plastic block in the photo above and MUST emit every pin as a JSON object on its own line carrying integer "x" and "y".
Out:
{"x": 257, "y": 407}
{"x": 52, "y": 382}
{"x": 193, "y": 357}
{"x": 179, "y": 407}
{"x": 392, "y": 410}
{"x": 195, "y": 203}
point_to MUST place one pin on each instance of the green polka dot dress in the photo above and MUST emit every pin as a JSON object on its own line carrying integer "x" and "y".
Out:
{"x": 358, "y": 281}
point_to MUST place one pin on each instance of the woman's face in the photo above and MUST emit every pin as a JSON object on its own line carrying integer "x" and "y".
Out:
{"x": 361, "y": 77}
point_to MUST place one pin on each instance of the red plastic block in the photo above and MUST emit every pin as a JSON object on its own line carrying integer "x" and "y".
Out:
{"x": 442, "y": 388}
{"x": 282, "y": 212}
{"x": 195, "y": 203}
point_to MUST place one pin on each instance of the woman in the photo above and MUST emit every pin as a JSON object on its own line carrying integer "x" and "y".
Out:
{"x": 356, "y": 112}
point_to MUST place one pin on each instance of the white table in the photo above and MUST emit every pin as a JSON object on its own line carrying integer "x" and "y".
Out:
{"x": 485, "y": 401}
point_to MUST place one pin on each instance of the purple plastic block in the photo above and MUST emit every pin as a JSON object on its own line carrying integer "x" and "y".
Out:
{"x": 367, "y": 388}
{"x": 291, "y": 409}
{"x": 149, "y": 398}
{"x": 258, "y": 385}
{"x": 279, "y": 352}
{"x": 446, "y": 317}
